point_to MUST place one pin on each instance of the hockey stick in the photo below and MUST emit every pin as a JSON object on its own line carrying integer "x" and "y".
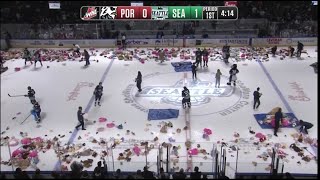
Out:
{"x": 15, "y": 96}
{"x": 25, "y": 119}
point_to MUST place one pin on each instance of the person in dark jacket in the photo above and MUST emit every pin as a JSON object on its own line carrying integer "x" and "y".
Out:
{"x": 256, "y": 98}
{"x": 199, "y": 57}
{"x": 205, "y": 57}
{"x": 37, "y": 57}
{"x": 86, "y": 57}
{"x": 147, "y": 174}
{"x": 179, "y": 175}
{"x": 98, "y": 172}
{"x": 31, "y": 95}
{"x": 186, "y": 98}
{"x": 226, "y": 53}
{"x": 300, "y": 48}
{"x": 196, "y": 174}
{"x": 27, "y": 56}
{"x": 98, "y": 91}
{"x": 80, "y": 118}
{"x": 273, "y": 51}
{"x": 305, "y": 126}
{"x": 139, "y": 81}
{"x": 291, "y": 49}
{"x": 278, "y": 117}
{"x": 194, "y": 71}
{"x": 37, "y": 175}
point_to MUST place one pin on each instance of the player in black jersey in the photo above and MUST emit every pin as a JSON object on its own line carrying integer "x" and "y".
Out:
{"x": 199, "y": 57}
{"x": 31, "y": 95}
{"x": 186, "y": 97}
{"x": 98, "y": 93}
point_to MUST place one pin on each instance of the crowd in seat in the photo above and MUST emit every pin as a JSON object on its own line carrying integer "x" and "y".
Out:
{"x": 100, "y": 172}
{"x": 39, "y": 12}
{"x": 292, "y": 18}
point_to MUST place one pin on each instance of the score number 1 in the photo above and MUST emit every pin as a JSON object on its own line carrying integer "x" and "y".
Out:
{"x": 196, "y": 12}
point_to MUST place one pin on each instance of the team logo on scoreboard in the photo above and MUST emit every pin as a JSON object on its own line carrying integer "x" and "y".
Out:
{"x": 89, "y": 13}
{"x": 159, "y": 13}
{"x": 108, "y": 12}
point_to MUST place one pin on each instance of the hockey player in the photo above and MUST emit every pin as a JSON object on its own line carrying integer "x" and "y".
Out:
{"x": 305, "y": 126}
{"x": 205, "y": 55}
{"x": 123, "y": 41}
{"x": 161, "y": 55}
{"x": 273, "y": 51}
{"x": 139, "y": 81}
{"x": 80, "y": 118}
{"x": 26, "y": 56}
{"x": 226, "y": 53}
{"x": 198, "y": 57}
{"x": 98, "y": 93}
{"x": 291, "y": 50}
{"x": 256, "y": 98}
{"x": 37, "y": 57}
{"x": 218, "y": 77}
{"x": 186, "y": 97}
{"x": 77, "y": 50}
{"x": 300, "y": 48}
{"x": 37, "y": 111}
{"x": 233, "y": 74}
{"x": 86, "y": 57}
{"x": 194, "y": 71}
{"x": 31, "y": 95}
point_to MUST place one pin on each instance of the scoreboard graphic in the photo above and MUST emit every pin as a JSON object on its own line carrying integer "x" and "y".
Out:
{"x": 99, "y": 13}
{"x": 159, "y": 13}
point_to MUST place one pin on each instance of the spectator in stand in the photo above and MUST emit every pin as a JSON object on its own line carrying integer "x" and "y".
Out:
{"x": 55, "y": 175}
{"x": 179, "y": 175}
{"x": 118, "y": 175}
{"x": 139, "y": 174}
{"x": 163, "y": 175}
{"x": 196, "y": 174}
{"x": 85, "y": 175}
{"x": 76, "y": 169}
{"x": 25, "y": 175}
{"x": 18, "y": 174}
{"x": 37, "y": 175}
{"x": 147, "y": 174}
{"x": 98, "y": 172}
{"x": 204, "y": 176}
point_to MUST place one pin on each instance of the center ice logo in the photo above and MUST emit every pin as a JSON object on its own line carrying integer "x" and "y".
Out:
{"x": 200, "y": 92}
{"x": 225, "y": 100}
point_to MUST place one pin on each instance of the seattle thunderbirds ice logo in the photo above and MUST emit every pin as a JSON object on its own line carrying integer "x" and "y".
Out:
{"x": 223, "y": 101}
{"x": 200, "y": 92}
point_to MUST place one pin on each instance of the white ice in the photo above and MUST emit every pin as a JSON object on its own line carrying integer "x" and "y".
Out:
{"x": 53, "y": 86}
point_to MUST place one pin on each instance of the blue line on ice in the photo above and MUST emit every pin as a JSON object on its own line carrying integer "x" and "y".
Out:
{"x": 285, "y": 102}
{"x": 86, "y": 110}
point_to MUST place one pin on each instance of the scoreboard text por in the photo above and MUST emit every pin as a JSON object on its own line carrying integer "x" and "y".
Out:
{"x": 89, "y": 13}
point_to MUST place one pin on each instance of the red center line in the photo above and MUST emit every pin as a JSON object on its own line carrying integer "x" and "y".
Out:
{"x": 187, "y": 121}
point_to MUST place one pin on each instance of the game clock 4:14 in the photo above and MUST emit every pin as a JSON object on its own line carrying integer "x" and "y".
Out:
{"x": 228, "y": 12}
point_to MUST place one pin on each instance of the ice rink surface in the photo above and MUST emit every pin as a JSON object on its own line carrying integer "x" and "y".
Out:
{"x": 290, "y": 84}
